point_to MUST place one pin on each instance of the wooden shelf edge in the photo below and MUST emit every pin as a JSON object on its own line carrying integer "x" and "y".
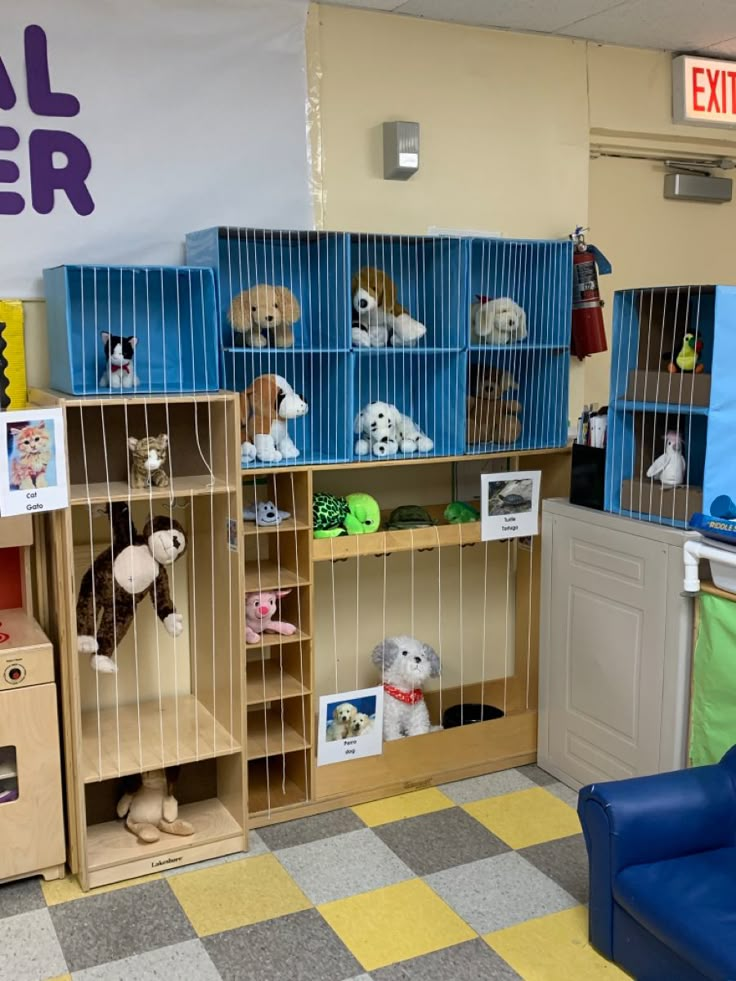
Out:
{"x": 278, "y": 640}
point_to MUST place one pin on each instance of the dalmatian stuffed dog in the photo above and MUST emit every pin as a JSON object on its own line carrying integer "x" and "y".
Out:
{"x": 384, "y": 431}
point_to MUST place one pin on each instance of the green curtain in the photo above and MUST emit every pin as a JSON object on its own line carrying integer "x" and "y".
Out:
{"x": 713, "y": 718}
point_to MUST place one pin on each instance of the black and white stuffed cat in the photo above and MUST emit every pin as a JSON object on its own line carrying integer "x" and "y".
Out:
{"x": 119, "y": 370}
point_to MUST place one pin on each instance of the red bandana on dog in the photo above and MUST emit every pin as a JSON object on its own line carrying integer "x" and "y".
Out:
{"x": 410, "y": 697}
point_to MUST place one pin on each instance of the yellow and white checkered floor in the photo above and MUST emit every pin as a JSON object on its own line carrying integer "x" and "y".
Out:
{"x": 480, "y": 879}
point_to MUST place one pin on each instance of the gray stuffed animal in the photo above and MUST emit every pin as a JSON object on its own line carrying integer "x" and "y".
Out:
{"x": 405, "y": 664}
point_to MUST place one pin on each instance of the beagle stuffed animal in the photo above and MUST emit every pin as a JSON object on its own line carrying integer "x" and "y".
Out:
{"x": 381, "y": 320}
{"x": 265, "y": 310}
{"x": 265, "y": 408}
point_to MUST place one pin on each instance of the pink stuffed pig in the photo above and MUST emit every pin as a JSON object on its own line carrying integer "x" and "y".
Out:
{"x": 259, "y": 608}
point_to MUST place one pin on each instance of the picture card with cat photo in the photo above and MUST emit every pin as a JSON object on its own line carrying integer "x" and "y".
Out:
{"x": 33, "y": 474}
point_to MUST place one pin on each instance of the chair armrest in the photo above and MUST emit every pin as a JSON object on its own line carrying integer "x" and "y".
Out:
{"x": 651, "y": 819}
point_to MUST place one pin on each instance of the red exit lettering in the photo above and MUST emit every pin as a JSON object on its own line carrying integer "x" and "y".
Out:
{"x": 714, "y": 90}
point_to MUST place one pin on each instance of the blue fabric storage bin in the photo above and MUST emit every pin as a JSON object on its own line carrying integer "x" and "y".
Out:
{"x": 428, "y": 387}
{"x": 322, "y": 379}
{"x": 312, "y": 265}
{"x": 542, "y": 377}
{"x": 536, "y": 274}
{"x": 647, "y": 400}
{"x": 430, "y": 276}
{"x": 170, "y": 310}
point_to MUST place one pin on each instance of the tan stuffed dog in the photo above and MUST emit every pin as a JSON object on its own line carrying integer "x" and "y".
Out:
{"x": 272, "y": 310}
{"x": 492, "y": 418}
{"x": 265, "y": 408}
{"x": 381, "y": 320}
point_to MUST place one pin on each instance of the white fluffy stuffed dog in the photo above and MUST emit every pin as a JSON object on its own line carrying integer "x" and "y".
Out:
{"x": 405, "y": 664}
{"x": 384, "y": 431}
{"x": 500, "y": 321}
{"x": 341, "y": 723}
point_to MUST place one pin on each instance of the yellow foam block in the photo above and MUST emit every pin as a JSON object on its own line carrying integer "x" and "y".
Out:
{"x": 63, "y": 890}
{"x": 553, "y": 948}
{"x": 402, "y": 806}
{"x": 237, "y": 894}
{"x": 11, "y": 314}
{"x": 527, "y": 817}
{"x": 395, "y": 923}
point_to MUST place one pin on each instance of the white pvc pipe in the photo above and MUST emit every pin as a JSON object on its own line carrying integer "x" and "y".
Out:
{"x": 693, "y": 551}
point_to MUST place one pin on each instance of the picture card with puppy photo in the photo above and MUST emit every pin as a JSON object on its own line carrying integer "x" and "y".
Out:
{"x": 33, "y": 475}
{"x": 350, "y": 725}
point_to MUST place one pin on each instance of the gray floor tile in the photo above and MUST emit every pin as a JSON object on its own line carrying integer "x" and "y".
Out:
{"x": 471, "y": 961}
{"x": 304, "y": 830}
{"x": 564, "y": 793}
{"x": 256, "y": 846}
{"x": 491, "y": 785}
{"x": 119, "y": 924}
{"x": 184, "y": 962}
{"x": 345, "y": 865}
{"x": 536, "y": 774}
{"x": 441, "y": 840}
{"x": 21, "y": 897}
{"x": 300, "y": 946}
{"x": 498, "y": 892}
{"x": 565, "y": 860}
{"x": 29, "y": 948}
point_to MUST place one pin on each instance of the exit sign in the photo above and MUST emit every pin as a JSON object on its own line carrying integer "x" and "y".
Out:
{"x": 703, "y": 91}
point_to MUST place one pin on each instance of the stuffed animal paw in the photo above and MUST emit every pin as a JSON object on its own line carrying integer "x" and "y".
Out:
{"x": 247, "y": 452}
{"x": 103, "y": 664}
{"x": 87, "y": 645}
{"x": 174, "y": 624}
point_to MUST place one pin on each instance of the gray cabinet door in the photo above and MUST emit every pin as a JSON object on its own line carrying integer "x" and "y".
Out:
{"x": 607, "y": 607}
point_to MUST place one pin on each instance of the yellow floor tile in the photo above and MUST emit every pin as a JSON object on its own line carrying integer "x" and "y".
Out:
{"x": 403, "y": 806}
{"x": 61, "y": 977}
{"x": 553, "y": 948}
{"x": 237, "y": 893}
{"x": 395, "y": 923}
{"x": 62, "y": 890}
{"x": 527, "y": 817}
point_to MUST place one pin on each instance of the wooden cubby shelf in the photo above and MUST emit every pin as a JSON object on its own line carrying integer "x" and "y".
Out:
{"x": 285, "y": 527}
{"x": 265, "y": 682}
{"x": 409, "y": 540}
{"x": 110, "y": 845}
{"x": 270, "y": 575}
{"x": 277, "y": 784}
{"x": 278, "y": 640}
{"x": 143, "y": 736}
{"x": 119, "y": 490}
{"x": 271, "y": 735}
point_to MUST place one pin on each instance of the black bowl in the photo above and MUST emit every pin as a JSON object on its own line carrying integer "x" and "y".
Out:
{"x": 463, "y": 715}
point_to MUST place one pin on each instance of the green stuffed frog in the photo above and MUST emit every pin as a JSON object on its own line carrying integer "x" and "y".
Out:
{"x": 355, "y": 514}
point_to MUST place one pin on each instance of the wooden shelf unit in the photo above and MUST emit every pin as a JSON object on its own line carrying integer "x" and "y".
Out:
{"x": 242, "y": 721}
{"x": 171, "y": 702}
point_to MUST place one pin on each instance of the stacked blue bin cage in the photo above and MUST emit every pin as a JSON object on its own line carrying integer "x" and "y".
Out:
{"x": 443, "y": 347}
{"x": 340, "y": 368}
{"x": 671, "y": 373}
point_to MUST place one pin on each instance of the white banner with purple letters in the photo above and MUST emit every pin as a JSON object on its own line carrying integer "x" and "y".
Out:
{"x": 125, "y": 124}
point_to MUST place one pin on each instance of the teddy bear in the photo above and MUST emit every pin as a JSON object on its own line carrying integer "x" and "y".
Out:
{"x": 380, "y": 318}
{"x": 491, "y": 417}
{"x": 406, "y": 663}
{"x": 264, "y": 316}
{"x": 150, "y": 806}
{"x": 265, "y": 408}
{"x": 499, "y": 321}
{"x": 384, "y": 431}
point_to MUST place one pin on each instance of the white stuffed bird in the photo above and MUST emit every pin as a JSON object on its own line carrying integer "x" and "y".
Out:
{"x": 670, "y": 468}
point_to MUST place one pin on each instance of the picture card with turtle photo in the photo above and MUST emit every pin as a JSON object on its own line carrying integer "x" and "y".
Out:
{"x": 510, "y": 505}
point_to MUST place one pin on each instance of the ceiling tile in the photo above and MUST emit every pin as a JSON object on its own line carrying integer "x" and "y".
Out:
{"x": 673, "y": 25}
{"x": 725, "y": 49}
{"x": 532, "y": 15}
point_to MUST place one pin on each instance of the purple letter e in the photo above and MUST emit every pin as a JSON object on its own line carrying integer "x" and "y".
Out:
{"x": 46, "y": 179}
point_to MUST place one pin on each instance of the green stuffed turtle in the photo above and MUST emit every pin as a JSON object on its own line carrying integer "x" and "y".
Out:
{"x": 409, "y": 516}
{"x": 355, "y": 514}
{"x": 459, "y": 513}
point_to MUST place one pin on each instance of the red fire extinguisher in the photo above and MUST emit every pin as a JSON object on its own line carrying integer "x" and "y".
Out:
{"x": 588, "y": 331}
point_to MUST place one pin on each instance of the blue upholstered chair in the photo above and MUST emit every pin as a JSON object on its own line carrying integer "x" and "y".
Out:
{"x": 662, "y": 853}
